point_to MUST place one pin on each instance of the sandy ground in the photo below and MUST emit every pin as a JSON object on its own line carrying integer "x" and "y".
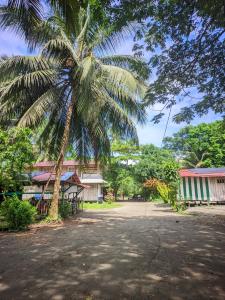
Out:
{"x": 137, "y": 251}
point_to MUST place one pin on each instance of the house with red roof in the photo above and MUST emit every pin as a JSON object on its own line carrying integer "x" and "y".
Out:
{"x": 70, "y": 185}
{"x": 203, "y": 185}
{"x": 83, "y": 179}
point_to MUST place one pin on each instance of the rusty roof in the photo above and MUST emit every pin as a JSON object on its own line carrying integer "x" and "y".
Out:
{"x": 70, "y": 177}
{"x": 65, "y": 163}
{"x": 203, "y": 172}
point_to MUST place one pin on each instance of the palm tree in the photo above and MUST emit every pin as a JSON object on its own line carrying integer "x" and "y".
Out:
{"x": 78, "y": 93}
{"x": 193, "y": 159}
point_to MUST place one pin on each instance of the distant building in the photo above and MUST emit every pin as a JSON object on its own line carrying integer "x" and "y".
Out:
{"x": 85, "y": 178}
{"x": 70, "y": 185}
{"x": 203, "y": 184}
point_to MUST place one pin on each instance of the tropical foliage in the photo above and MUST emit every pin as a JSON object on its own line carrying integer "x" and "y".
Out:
{"x": 185, "y": 42}
{"x": 131, "y": 166}
{"x": 199, "y": 146}
{"x": 158, "y": 187}
{"x": 155, "y": 163}
{"x": 16, "y": 153}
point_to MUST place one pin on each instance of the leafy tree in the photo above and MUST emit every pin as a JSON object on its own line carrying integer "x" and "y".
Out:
{"x": 145, "y": 162}
{"x": 186, "y": 44}
{"x": 128, "y": 185}
{"x": 155, "y": 163}
{"x": 118, "y": 173}
{"x": 82, "y": 93}
{"x": 199, "y": 146}
{"x": 16, "y": 153}
{"x": 125, "y": 151}
{"x": 111, "y": 174}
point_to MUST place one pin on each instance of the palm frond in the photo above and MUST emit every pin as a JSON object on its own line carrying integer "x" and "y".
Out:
{"x": 16, "y": 65}
{"x": 69, "y": 11}
{"x": 33, "y": 6}
{"x": 130, "y": 63}
{"x": 124, "y": 78}
{"x": 23, "y": 20}
{"x": 82, "y": 34}
{"x": 116, "y": 116}
{"x": 60, "y": 49}
{"x": 36, "y": 79}
{"x": 41, "y": 107}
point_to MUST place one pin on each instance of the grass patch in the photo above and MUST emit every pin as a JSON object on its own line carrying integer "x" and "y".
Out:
{"x": 104, "y": 205}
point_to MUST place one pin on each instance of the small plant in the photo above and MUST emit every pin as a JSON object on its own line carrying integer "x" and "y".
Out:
{"x": 109, "y": 197}
{"x": 65, "y": 209}
{"x": 17, "y": 213}
{"x": 49, "y": 220}
{"x": 164, "y": 191}
{"x": 167, "y": 192}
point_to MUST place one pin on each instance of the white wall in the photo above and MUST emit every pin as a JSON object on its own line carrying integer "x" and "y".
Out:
{"x": 217, "y": 190}
{"x": 92, "y": 193}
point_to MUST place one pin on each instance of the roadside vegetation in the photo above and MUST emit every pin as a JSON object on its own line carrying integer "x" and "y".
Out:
{"x": 152, "y": 172}
{"x": 17, "y": 214}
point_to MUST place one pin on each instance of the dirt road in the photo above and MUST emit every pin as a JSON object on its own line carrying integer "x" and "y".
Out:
{"x": 137, "y": 251}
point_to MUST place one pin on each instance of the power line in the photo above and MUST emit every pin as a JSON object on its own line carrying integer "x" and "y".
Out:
{"x": 167, "y": 123}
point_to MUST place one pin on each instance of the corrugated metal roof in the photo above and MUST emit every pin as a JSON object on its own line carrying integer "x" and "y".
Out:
{"x": 36, "y": 173}
{"x": 66, "y": 176}
{"x": 44, "y": 177}
{"x": 65, "y": 163}
{"x": 203, "y": 172}
{"x": 208, "y": 170}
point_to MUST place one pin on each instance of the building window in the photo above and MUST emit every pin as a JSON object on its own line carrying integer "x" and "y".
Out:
{"x": 220, "y": 180}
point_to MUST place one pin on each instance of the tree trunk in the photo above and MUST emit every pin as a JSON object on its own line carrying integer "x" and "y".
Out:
{"x": 54, "y": 208}
{"x": 115, "y": 194}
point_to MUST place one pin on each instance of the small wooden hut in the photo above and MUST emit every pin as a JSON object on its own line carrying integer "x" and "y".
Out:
{"x": 203, "y": 185}
{"x": 69, "y": 182}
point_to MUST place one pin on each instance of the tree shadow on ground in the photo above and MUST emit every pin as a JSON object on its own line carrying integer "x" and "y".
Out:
{"x": 117, "y": 257}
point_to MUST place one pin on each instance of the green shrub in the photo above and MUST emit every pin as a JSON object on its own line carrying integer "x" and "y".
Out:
{"x": 18, "y": 214}
{"x": 164, "y": 191}
{"x": 109, "y": 197}
{"x": 65, "y": 209}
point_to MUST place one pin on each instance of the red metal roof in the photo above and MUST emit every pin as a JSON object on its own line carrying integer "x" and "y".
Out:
{"x": 70, "y": 163}
{"x": 204, "y": 172}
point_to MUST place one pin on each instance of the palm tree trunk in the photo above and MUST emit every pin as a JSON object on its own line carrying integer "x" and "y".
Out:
{"x": 54, "y": 208}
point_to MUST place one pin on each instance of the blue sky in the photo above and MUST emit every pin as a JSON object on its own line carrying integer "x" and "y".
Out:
{"x": 10, "y": 44}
